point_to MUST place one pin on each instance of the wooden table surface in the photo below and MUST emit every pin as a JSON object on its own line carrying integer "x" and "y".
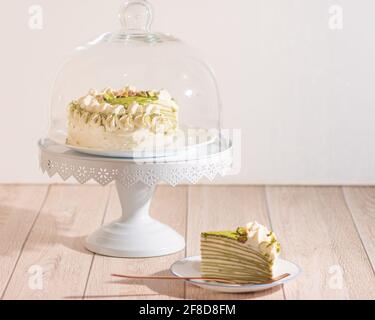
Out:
{"x": 328, "y": 231}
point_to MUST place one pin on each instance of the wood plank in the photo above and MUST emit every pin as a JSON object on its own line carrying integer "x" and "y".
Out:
{"x": 316, "y": 231}
{"x": 19, "y": 208}
{"x": 168, "y": 206}
{"x": 55, "y": 245}
{"x": 221, "y": 208}
{"x": 361, "y": 202}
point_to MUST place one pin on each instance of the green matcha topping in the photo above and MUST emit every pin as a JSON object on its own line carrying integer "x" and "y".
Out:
{"x": 127, "y": 93}
{"x": 129, "y": 100}
{"x": 240, "y": 234}
{"x": 126, "y": 101}
{"x": 127, "y": 97}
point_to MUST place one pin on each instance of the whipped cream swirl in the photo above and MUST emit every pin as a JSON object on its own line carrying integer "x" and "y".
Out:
{"x": 259, "y": 236}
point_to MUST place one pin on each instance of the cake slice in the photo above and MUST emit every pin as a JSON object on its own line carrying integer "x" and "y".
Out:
{"x": 247, "y": 255}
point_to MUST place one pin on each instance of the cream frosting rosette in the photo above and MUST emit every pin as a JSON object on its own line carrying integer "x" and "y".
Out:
{"x": 261, "y": 237}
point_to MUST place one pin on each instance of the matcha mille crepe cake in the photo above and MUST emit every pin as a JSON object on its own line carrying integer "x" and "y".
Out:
{"x": 245, "y": 256}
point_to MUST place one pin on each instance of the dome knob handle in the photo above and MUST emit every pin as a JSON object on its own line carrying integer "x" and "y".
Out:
{"x": 136, "y": 16}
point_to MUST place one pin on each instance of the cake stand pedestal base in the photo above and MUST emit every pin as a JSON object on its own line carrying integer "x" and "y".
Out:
{"x": 135, "y": 234}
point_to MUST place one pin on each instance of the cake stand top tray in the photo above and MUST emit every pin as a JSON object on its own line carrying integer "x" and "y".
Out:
{"x": 188, "y": 166}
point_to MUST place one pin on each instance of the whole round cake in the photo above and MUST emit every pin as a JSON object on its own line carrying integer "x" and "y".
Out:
{"x": 124, "y": 119}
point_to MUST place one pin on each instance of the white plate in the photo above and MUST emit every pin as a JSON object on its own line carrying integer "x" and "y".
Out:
{"x": 190, "y": 267}
{"x": 204, "y": 137}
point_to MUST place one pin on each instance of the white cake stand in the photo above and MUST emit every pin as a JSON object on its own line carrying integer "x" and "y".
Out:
{"x": 135, "y": 182}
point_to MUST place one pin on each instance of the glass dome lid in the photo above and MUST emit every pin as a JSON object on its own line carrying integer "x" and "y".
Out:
{"x": 126, "y": 84}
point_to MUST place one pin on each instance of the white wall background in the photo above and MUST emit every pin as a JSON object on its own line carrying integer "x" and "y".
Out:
{"x": 302, "y": 93}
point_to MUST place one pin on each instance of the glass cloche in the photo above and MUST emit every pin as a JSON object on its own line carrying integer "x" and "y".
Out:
{"x": 125, "y": 87}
